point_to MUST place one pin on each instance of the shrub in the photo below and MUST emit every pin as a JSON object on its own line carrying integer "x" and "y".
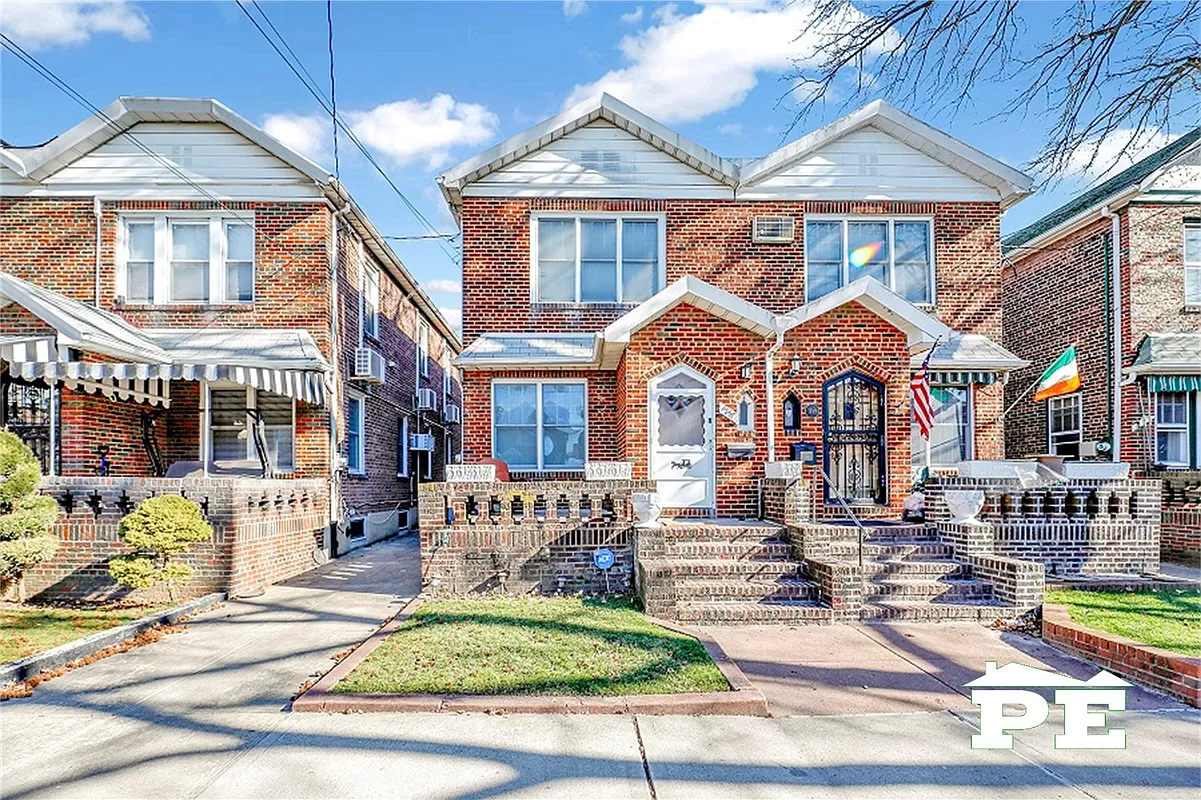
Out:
{"x": 158, "y": 529}
{"x": 26, "y": 517}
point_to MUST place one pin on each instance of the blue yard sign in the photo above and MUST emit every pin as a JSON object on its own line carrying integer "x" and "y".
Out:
{"x": 603, "y": 558}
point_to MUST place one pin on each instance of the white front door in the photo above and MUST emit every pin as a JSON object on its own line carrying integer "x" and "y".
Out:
{"x": 681, "y": 438}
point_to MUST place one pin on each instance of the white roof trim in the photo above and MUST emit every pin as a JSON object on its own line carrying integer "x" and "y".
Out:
{"x": 126, "y": 112}
{"x": 80, "y": 325}
{"x": 9, "y": 160}
{"x": 1009, "y": 182}
{"x": 921, "y": 328}
{"x": 694, "y": 292}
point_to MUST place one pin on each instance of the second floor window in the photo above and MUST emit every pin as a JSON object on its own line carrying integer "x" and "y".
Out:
{"x": 896, "y": 252}
{"x": 423, "y": 349}
{"x": 1192, "y": 264}
{"x": 601, "y": 259}
{"x": 369, "y": 318}
{"x": 188, "y": 259}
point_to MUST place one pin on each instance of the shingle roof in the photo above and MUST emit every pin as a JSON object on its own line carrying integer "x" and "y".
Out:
{"x": 277, "y": 348}
{"x": 1098, "y": 194}
{"x": 499, "y": 349}
{"x": 970, "y": 351}
{"x": 1168, "y": 350}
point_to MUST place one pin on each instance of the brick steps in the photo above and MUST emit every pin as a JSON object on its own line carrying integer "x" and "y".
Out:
{"x": 752, "y": 613}
{"x": 945, "y": 589}
{"x": 909, "y": 550}
{"x": 680, "y": 533}
{"x": 934, "y": 611}
{"x": 766, "y": 550}
{"x": 782, "y": 589}
{"x": 733, "y": 568}
{"x": 899, "y": 568}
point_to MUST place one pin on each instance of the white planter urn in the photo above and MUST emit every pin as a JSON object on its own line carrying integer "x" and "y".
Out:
{"x": 964, "y": 505}
{"x": 646, "y": 509}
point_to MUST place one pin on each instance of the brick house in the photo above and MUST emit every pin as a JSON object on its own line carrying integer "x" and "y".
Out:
{"x": 187, "y": 299}
{"x": 631, "y": 296}
{"x": 1138, "y": 337}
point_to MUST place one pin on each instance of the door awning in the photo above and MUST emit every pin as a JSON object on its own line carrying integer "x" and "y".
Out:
{"x": 1171, "y": 362}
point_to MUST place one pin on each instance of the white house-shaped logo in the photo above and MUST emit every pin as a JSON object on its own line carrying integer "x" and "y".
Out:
{"x": 1011, "y": 685}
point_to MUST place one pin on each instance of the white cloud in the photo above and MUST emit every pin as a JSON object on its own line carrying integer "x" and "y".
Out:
{"x": 632, "y": 17}
{"x": 685, "y": 67}
{"x": 573, "y": 8}
{"x": 444, "y": 286}
{"x": 308, "y": 135}
{"x": 454, "y": 316}
{"x": 1105, "y": 156}
{"x": 730, "y": 129}
{"x": 38, "y": 25}
{"x": 413, "y": 130}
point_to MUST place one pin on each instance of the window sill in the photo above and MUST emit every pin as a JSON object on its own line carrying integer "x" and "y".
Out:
{"x": 563, "y": 306}
{"x": 185, "y": 307}
{"x": 357, "y": 475}
{"x": 1191, "y": 308}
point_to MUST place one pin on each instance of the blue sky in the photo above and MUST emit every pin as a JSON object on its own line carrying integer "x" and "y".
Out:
{"x": 428, "y": 84}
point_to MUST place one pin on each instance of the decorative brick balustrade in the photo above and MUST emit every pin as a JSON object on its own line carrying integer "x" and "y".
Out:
{"x": 1083, "y": 526}
{"x": 264, "y": 531}
{"x": 1180, "y": 529}
{"x": 529, "y": 536}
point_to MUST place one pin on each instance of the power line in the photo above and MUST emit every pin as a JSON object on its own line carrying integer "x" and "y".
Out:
{"x": 333, "y": 92}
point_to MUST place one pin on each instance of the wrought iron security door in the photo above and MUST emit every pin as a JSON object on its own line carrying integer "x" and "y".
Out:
{"x": 25, "y": 410}
{"x": 854, "y": 438}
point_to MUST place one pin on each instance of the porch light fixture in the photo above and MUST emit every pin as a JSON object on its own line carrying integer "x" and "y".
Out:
{"x": 796, "y": 367}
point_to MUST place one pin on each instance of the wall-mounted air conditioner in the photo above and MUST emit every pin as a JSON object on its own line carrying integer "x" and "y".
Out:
{"x": 452, "y": 413}
{"x": 369, "y": 365}
{"x": 423, "y": 442}
{"x": 427, "y": 400}
{"x": 773, "y": 230}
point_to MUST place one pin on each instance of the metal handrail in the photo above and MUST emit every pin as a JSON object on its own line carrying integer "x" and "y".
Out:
{"x": 846, "y": 507}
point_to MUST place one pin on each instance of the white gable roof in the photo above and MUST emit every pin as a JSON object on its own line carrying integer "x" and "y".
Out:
{"x": 694, "y": 292}
{"x": 920, "y": 327}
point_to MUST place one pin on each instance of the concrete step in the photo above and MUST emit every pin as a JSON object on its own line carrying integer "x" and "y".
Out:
{"x": 766, "y": 550}
{"x": 733, "y": 568}
{"x": 795, "y": 612}
{"x": 916, "y": 610}
{"x": 711, "y": 590}
{"x": 947, "y": 589}
{"x": 899, "y": 568}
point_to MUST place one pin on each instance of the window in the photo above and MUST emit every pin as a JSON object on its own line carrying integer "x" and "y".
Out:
{"x": 1192, "y": 263}
{"x": 1172, "y": 429}
{"x": 423, "y": 349}
{"x": 185, "y": 258}
{"x": 1064, "y": 426}
{"x": 898, "y": 253}
{"x": 597, "y": 259}
{"x": 402, "y": 449}
{"x": 355, "y": 413}
{"x": 792, "y": 413}
{"x": 234, "y": 413}
{"x": 539, "y": 425}
{"x": 746, "y": 413}
{"x": 951, "y": 437}
{"x": 448, "y": 447}
{"x": 369, "y": 318}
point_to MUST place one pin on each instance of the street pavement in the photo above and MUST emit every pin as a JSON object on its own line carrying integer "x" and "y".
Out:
{"x": 204, "y": 714}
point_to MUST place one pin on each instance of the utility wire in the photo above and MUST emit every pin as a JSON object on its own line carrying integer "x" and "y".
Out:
{"x": 333, "y": 92}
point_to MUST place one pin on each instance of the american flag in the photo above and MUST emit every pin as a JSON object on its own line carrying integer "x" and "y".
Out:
{"x": 923, "y": 409}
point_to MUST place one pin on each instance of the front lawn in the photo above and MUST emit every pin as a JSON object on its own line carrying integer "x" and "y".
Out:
{"x": 29, "y": 629}
{"x": 1169, "y": 618}
{"x": 562, "y": 645}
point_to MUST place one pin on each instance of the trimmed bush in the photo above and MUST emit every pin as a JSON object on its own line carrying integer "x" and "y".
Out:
{"x": 26, "y": 517}
{"x": 158, "y": 529}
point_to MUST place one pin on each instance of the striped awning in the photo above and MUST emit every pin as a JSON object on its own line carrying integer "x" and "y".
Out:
{"x": 1173, "y": 383}
{"x": 147, "y": 381}
{"x": 961, "y": 378}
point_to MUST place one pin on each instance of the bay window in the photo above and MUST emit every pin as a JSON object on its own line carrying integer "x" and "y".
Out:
{"x": 539, "y": 425}
{"x": 185, "y": 258}
{"x": 1065, "y": 426}
{"x": 951, "y": 437}
{"x": 234, "y": 413}
{"x": 601, "y": 258}
{"x": 896, "y": 252}
{"x": 1172, "y": 419}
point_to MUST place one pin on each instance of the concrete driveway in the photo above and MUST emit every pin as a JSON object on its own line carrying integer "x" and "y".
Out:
{"x": 888, "y": 668}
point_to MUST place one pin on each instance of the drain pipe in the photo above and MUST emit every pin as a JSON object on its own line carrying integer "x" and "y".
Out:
{"x": 335, "y": 408}
{"x": 99, "y": 213}
{"x": 1116, "y": 276}
{"x": 769, "y": 376}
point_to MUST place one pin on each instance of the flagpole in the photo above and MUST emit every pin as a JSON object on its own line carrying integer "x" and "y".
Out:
{"x": 1028, "y": 388}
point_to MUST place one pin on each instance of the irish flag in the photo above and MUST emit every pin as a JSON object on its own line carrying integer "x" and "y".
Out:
{"x": 1062, "y": 377}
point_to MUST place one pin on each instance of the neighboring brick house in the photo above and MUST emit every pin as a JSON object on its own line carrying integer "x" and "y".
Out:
{"x": 167, "y": 296}
{"x": 630, "y": 295}
{"x": 1144, "y": 225}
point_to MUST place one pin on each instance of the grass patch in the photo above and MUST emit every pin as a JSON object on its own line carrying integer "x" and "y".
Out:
{"x": 29, "y": 629}
{"x": 1168, "y": 618}
{"x": 564, "y": 645}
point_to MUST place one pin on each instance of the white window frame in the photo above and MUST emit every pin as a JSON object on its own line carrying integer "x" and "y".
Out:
{"x": 1052, "y": 403}
{"x": 620, "y": 217}
{"x": 1192, "y": 268}
{"x": 448, "y": 455}
{"x": 368, "y": 290}
{"x": 971, "y": 429}
{"x": 403, "y": 446}
{"x": 539, "y": 382}
{"x": 750, "y": 420}
{"x": 447, "y": 382}
{"x": 218, "y": 251}
{"x": 361, "y": 452}
{"x": 892, "y": 253}
{"x": 423, "y": 349}
{"x": 1190, "y": 402}
{"x": 252, "y": 404}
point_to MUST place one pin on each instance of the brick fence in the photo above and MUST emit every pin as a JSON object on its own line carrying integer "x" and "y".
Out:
{"x": 264, "y": 531}
{"x": 1180, "y": 537}
{"x": 1162, "y": 670}
{"x": 537, "y": 536}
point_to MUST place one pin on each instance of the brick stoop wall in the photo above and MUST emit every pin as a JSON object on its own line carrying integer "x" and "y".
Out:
{"x": 1180, "y": 526}
{"x": 264, "y": 531}
{"x": 526, "y": 537}
{"x": 1161, "y": 670}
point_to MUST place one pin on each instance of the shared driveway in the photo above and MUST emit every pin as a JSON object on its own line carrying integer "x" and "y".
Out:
{"x": 204, "y": 714}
